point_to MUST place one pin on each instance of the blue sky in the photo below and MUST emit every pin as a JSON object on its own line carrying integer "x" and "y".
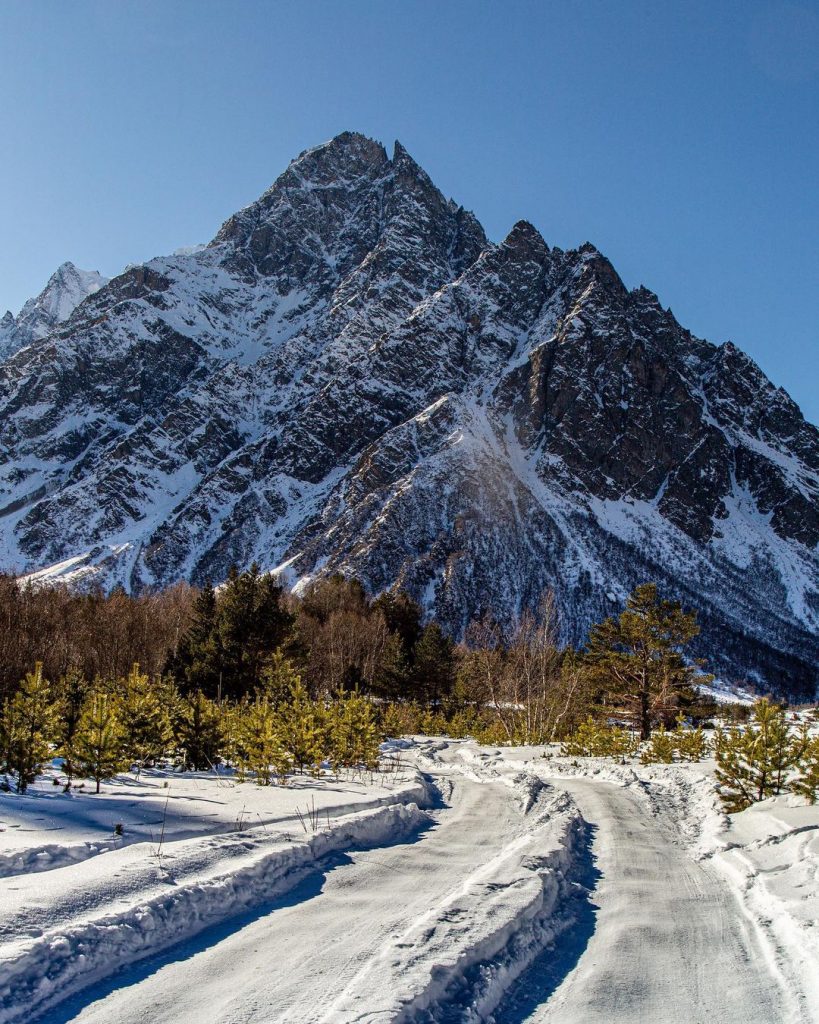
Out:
{"x": 680, "y": 138}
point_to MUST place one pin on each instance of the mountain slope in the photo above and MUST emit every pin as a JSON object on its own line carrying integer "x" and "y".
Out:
{"x": 351, "y": 378}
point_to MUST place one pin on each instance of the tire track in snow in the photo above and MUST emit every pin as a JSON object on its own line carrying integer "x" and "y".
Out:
{"x": 290, "y": 964}
{"x": 670, "y": 943}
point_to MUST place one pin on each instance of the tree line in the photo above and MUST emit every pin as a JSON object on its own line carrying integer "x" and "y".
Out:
{"x": 228, "y": 670}
{"x": 104, "y": 727}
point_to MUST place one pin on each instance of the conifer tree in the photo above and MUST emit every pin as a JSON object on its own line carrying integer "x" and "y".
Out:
{"x": 262, "y": 750}
{"x": 399, "y": 720}
{"x": 71, "y": 691}
{"x": 98, "y": 741}
{"x": 251, "y": 624}
{"x": 753, "y": 764}
{"x": 352, "y": 733}
{"x": 197, "y": 664}
{"x": 434, "y": 669}
{"x": 278, "y": 677}
{"x": 200, "y": 732}
{"x": 403, "y": 618}
{"x": 302, "y": 728}
{"x": 144, "y": 714}
{"x": 392, "y": 672}
{"x": 660, "y": 748}
{"x": 638, "y": 661}
{"x": 691, "y": 743}
{"x": 591, "y": 739}
{"x": 233, "y": 735}
{"x": 27, "y": 729}
{"x": 807, "y": 783}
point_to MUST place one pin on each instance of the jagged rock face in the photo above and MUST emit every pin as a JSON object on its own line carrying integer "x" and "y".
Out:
{"x": 350, "y": 378}
{"x": 65, "y": 290}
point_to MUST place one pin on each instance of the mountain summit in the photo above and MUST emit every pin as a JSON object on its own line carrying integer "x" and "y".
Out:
{"x": 65, "y": 290}
{"x": 350, "y": 378}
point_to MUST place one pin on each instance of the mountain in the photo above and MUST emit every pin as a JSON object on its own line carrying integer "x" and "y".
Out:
{"x": 65, "y": 290}
{"x": 351, "y": 378}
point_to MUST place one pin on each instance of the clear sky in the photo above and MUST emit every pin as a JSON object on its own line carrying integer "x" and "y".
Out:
{"x": 682, "y": 138}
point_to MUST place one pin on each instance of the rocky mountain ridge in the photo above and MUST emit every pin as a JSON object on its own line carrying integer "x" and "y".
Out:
{"x": 351, "y": 378}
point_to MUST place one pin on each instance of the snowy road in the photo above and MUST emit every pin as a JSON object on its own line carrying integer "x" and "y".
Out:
{"x": 669, "y": 944}
{"x": 288, "y": 964}
{"x": 660, "y": 938}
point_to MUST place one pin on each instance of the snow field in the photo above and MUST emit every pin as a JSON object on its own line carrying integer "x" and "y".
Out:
{"x": 178, "y": 805}
{"x": 73, "y": 926}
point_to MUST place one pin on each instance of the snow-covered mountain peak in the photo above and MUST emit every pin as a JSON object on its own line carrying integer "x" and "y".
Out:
{"x": 65, "y": 290}
{"x": 67, "y": 287}
{"x": 351, "y": 379}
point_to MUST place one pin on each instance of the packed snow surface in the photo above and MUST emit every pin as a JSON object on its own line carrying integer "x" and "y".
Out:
{"x": 465, "y": 884}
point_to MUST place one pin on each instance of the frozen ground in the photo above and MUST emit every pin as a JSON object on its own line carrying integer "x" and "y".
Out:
{"x": 474, "y": 884}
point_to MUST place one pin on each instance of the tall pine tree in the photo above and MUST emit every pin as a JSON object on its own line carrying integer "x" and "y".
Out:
{"x": 433, "y": 671}
{"x": 638, "y": 661}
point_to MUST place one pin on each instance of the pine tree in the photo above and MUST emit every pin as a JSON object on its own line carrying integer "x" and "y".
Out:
{"x": 660, "y": 748}
{"x": 691, "y": 744}
{"x": 278, "y": 677}
{"x": 71, "y": 691}
{"x": 251, "y": 624}
{"x": 638, "y": 661}
{"x": 352, "y": 733}
{"x": 403, "y": 618}
{"x": 98, "y": 742}
{"x": 591, "y": 739}
{"x": 807, "y": 784}
{"x": 584, "y": 742}
{"x": 200, "y": 732}
{"x": 392, "y": 672}
{"x": 28, "y": 728}
{"x": 145, "y": 718}
{"x": 433, "y": 671}
{"x": 753, "y": 764}
{"x": 260, "y": 743}
{"x": 197, "y": 664}
{"x": 399, "y": 720}
{"x": 302, "y": 728}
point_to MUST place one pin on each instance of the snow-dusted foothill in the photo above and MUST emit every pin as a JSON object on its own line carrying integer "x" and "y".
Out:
{"x": 351, "y": 378}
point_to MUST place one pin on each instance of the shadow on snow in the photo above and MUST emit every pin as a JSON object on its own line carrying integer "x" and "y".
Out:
{"x": 309, "y": 887}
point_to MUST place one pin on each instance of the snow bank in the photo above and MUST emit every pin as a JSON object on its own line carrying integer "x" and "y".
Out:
{"x": 475, "y": 943}
{"x": 770, "y": 855}
{"x": 180, "y": 805}
{"x": 63, "y": 961}
{"x": 31, "y": 859}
